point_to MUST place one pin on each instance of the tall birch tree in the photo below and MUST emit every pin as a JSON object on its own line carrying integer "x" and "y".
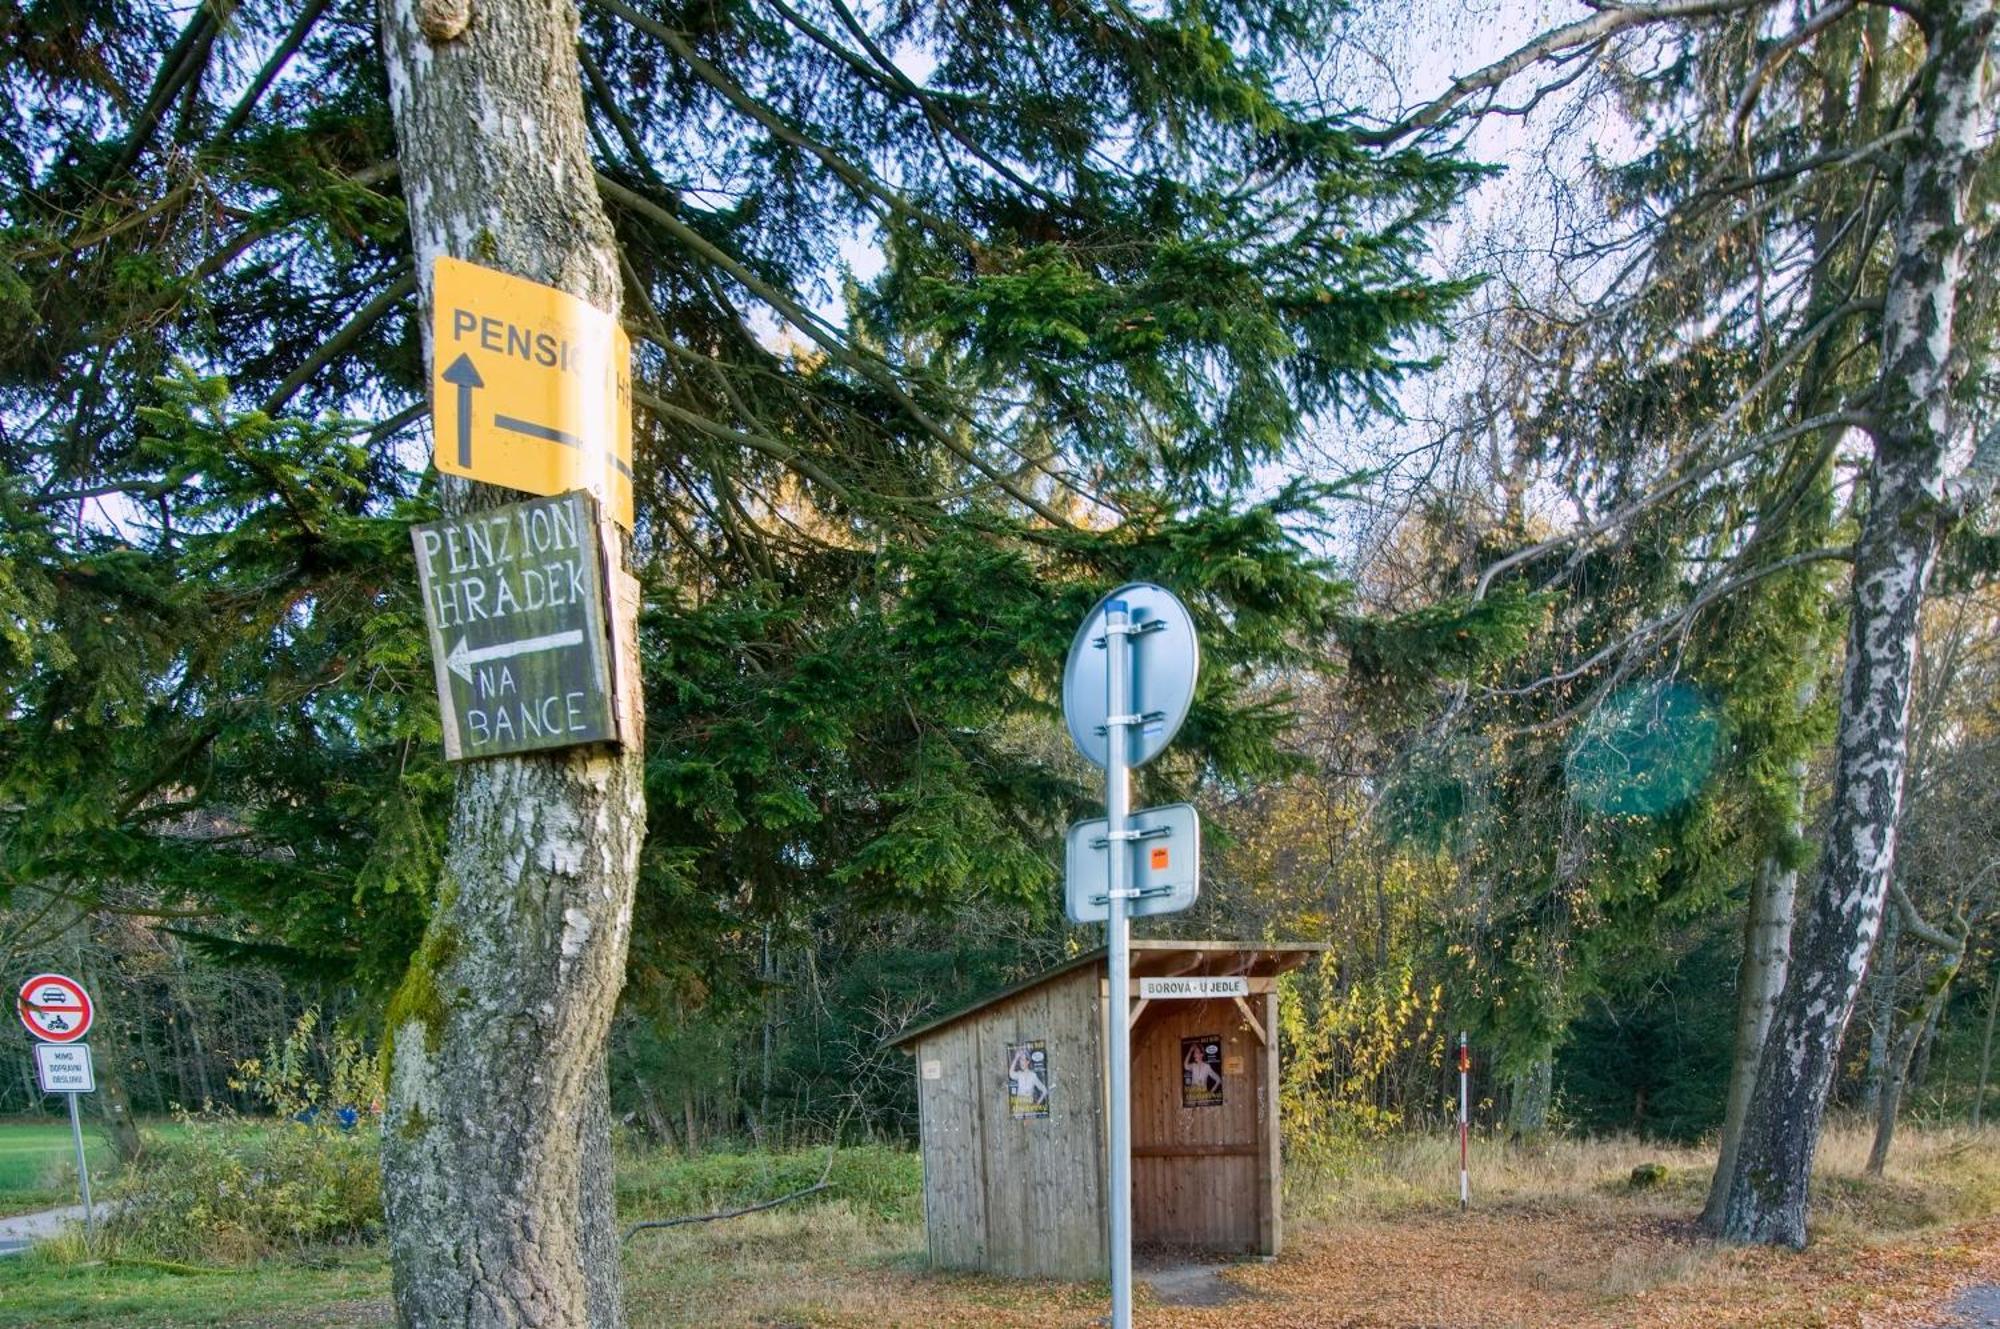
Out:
{"x": 1910, "y": 398}
{"x": 1934, "y": 455}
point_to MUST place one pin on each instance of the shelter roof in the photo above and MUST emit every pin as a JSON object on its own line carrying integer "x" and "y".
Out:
{"x": 1150, "y": 959}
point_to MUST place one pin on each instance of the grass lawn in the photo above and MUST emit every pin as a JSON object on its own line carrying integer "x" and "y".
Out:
{"x": 38, "y": 1163}
{"x": 38, "y": 1160}
{"x": 38, "y": 1290}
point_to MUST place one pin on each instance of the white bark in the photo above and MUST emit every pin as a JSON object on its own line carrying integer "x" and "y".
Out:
{"x": 1910, "y": 505}
{"x": 496, "y": 1156}
{"x": 1760, "y": 981}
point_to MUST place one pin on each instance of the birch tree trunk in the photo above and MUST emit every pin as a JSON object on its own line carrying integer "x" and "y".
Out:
{"x": 1911, "y": 503}
{"x": 497, "y": 1154}
{"x": 1760, "y": 980}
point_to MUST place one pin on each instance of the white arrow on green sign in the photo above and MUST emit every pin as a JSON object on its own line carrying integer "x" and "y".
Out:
{"x": 463, "y": 657}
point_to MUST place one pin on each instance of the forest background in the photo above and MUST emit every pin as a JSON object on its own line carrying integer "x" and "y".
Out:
{"x": 1525, "y": 605}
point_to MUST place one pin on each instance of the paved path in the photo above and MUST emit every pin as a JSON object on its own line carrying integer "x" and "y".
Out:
{"x": 18, "y": 1232}
{"x": 1976, "y": 1308}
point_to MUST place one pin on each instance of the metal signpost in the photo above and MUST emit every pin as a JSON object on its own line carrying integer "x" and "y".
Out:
{"x": 58, "y": 1012}
{"x": 1127, "y": 686}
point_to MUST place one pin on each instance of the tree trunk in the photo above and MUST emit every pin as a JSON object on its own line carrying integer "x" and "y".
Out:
{"x": 1529, "y": 1096}
{"x": 1760, "y": 980}
{"x": 1908, "y": 512}
{"x": 1920, "y": 1064}
{"x": 497, "y": 1151}
{"x": 110, "y": 1057}
{"x": 1986, "y": 1049}
{"x": 1935, "y": 994}
{"x": 114, "y": 1103}
{"x": 1882, "y": 1019}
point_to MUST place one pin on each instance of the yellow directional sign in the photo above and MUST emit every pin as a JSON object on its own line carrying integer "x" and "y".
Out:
{"x": 531, "y": 387}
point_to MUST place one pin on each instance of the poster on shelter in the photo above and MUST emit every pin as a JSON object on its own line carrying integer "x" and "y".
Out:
{"x": 1201, "y": 1071}
{"x": 1028, "y": 1080}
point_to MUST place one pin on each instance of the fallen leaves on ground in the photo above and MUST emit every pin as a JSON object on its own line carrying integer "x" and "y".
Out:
{"x": 1521, "y": 1268}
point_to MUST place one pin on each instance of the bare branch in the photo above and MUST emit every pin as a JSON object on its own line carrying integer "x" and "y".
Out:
{"x": 294, "y": 38}
{"x": 1555, "y": 44}
{"x": 1739, "y": 115}
{"x": 1653, "y": 498}
{"x": 1653, "y": 628}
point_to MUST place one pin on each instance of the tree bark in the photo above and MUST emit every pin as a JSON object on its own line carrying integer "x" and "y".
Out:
{"x": 1760, "y": 980}
{"x": 1910, "y": 506}
{"x": 1986, "y": 1049}
{"x": 1936, "y": 992}
{"x": 1530, "y": 1094}
{"x": 497, "y": 1153}
{"x": 1882, "y": 1019}
{"x": 114, "y": 1102}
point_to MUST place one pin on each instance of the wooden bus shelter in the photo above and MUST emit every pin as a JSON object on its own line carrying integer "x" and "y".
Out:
{"x": 1011, "y": 1094}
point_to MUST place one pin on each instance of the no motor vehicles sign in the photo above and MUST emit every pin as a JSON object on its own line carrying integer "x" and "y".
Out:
{"x": 55, "y": 1009}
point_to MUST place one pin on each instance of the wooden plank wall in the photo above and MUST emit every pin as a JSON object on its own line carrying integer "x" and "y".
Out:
{"x": 1017, "y": 1197}
{"x": 1198, "y": 1173}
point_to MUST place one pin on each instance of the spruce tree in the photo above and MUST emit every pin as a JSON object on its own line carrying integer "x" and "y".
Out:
{"x": 1115, "y": 262}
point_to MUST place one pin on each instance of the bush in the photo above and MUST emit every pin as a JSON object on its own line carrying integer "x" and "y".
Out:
{"x": 876, "y": 1180}
{"x": 228, "y": 1191}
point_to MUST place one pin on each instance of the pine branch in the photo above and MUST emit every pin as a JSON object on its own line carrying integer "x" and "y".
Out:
{"x": 635, "y": 148}
{"x": 778, "y": 451}
{"x": 808, "y": 323}
{"x": 1746, "y": 101}
{"x": 734, "y": 93}
{"x": 1842, "y": 419}
{"x": 342, "y": 341}
{"x": 183, "y": 64}
{"x": 1651, "y": 630}
{"x": 294, "y": 38}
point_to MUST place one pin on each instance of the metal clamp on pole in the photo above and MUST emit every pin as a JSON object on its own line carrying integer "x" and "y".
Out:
{"x": 1131, "y": 721}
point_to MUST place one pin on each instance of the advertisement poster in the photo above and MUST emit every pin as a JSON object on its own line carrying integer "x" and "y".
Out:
{"x": 1028, "y": 1080}
{"x": 1201, "y": 1071}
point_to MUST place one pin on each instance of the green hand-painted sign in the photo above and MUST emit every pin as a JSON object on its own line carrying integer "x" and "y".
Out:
{"x": 514, "y": 599}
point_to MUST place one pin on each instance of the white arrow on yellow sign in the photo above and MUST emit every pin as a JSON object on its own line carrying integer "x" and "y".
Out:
{"x": 531, "y": 387}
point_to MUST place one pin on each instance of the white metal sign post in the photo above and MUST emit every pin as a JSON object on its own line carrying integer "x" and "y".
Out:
{"x": 58, "y": 1012}
{"x": 1121, "y": 713}
{"x": 1118, "y": 944}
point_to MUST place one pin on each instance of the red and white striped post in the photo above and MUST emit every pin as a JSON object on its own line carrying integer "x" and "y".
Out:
{"x": 1464, "y": 1123}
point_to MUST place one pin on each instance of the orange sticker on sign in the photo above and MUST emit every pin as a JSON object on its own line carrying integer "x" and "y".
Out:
{"x": 531, "y": 387}
{"x": 1159, "y": 860}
